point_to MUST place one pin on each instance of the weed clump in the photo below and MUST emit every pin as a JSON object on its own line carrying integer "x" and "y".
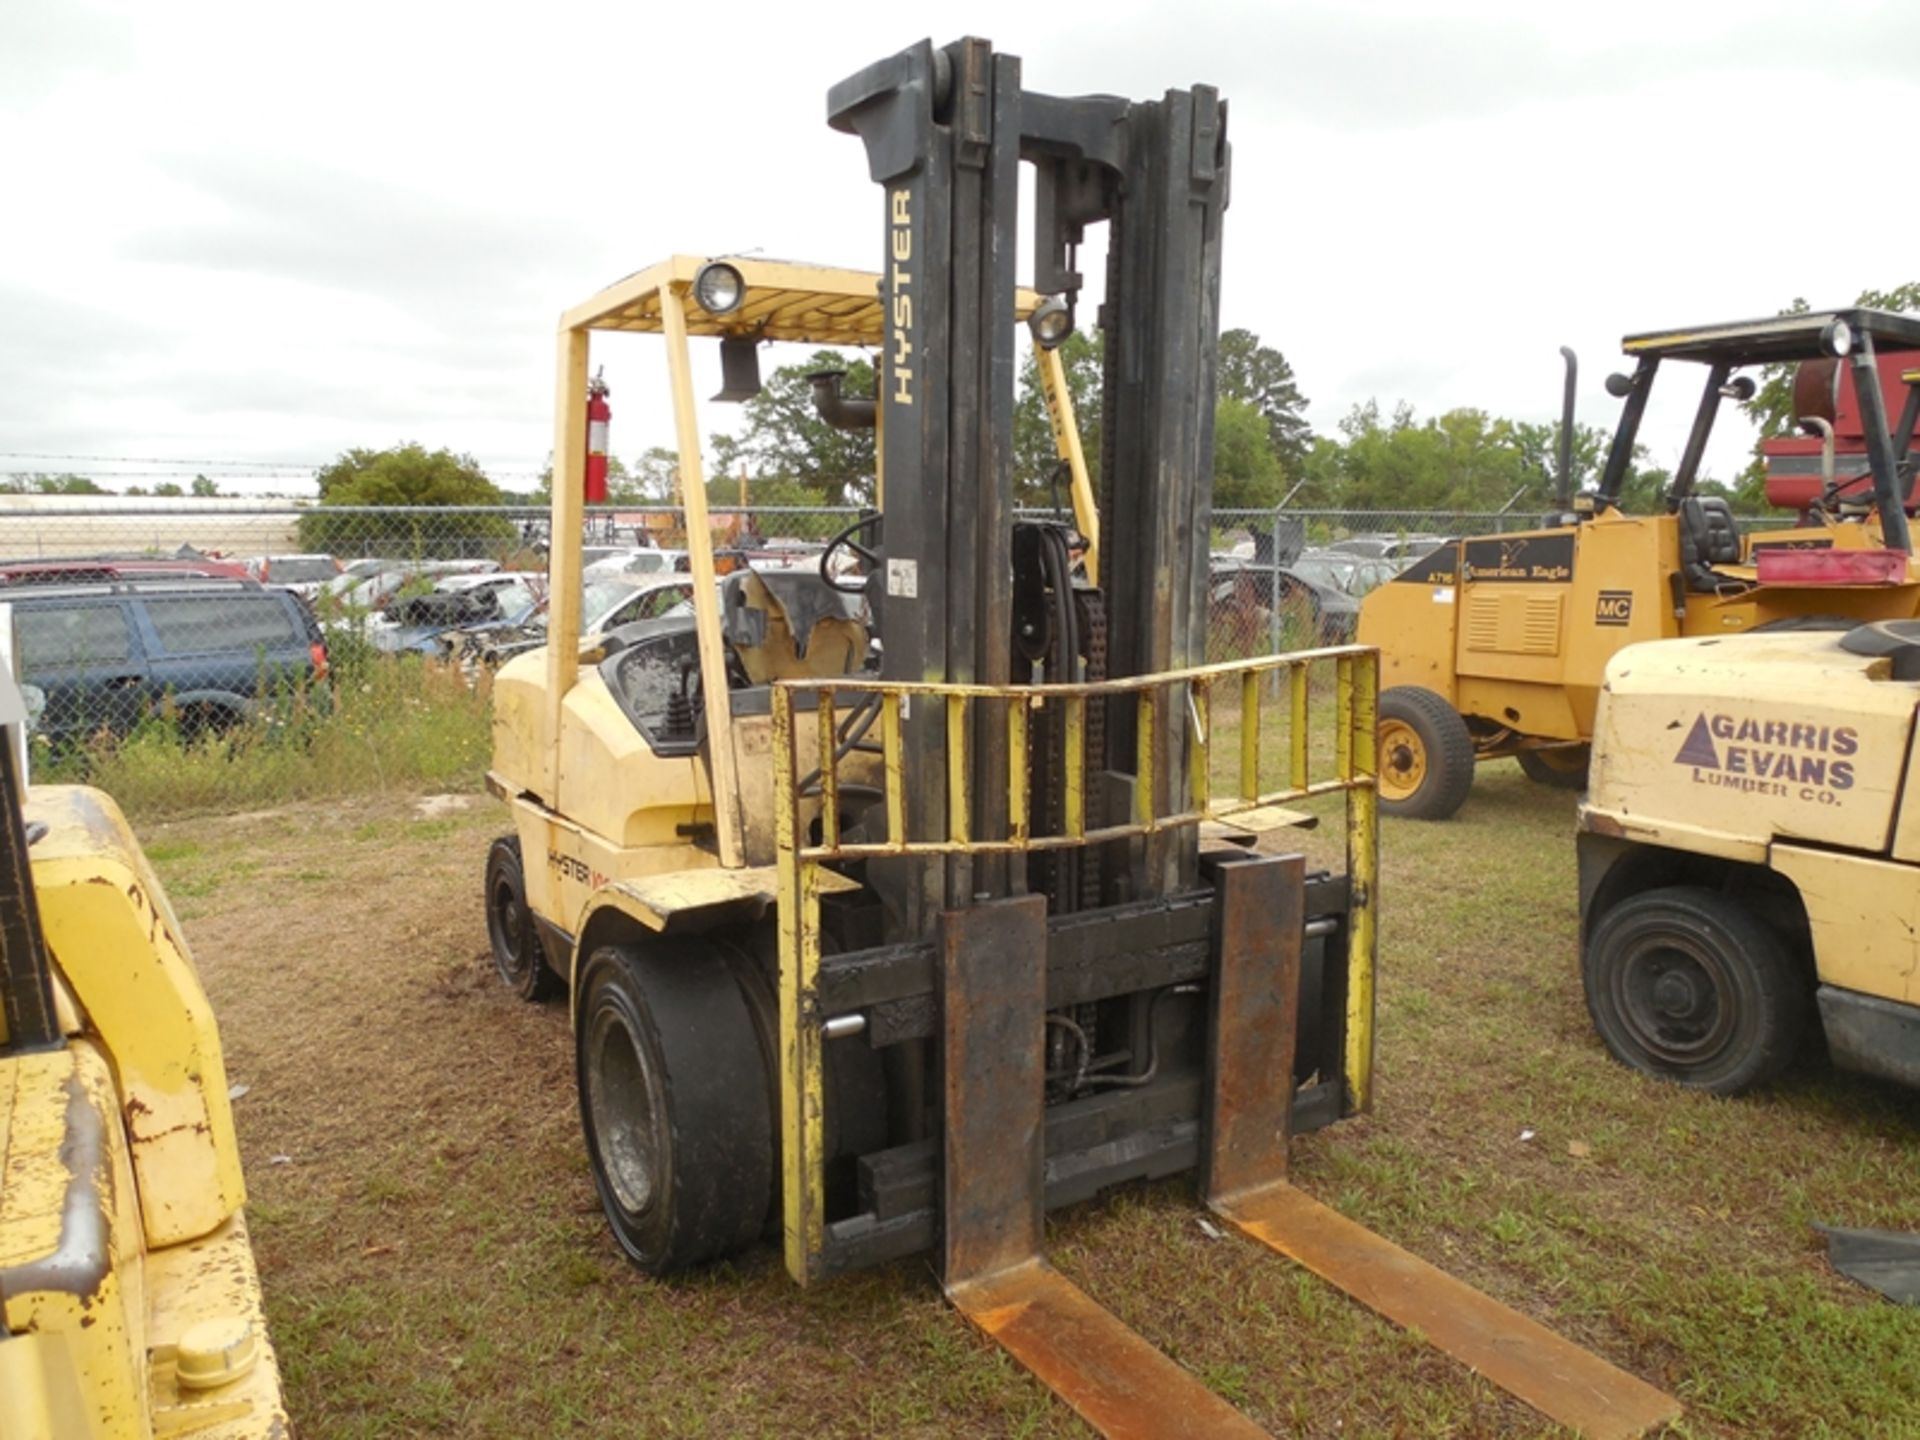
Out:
{"x": 380, "y": 723}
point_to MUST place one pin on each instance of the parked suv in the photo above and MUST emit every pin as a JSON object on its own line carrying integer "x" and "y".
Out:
{"x": 107, "y": 655}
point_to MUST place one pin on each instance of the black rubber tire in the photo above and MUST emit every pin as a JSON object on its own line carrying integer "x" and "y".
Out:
{"x": 1447, "y": 747}
{"x": 674, "y": 1104}
{"x": 518, "y": 955}
{"x": 1746, "y": 999}
{"x": 1562, "y": 768}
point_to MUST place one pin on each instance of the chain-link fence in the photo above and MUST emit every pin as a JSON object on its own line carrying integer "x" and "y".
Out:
{"x": 203, "y": 617}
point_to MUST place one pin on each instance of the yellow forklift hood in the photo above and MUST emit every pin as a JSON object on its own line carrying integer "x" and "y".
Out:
{"x": 1725, "y": 744}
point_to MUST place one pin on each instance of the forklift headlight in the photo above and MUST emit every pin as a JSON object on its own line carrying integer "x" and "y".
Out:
{"x": 718, "y": 287}
{"x": 1051, "y": 322}
{"x": 1837, "y": 338}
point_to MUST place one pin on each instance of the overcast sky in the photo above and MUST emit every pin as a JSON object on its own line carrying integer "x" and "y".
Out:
{"x": 265, "y": 233}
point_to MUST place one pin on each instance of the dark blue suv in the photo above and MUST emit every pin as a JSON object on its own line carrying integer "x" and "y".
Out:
{"x": 107, "y": 655}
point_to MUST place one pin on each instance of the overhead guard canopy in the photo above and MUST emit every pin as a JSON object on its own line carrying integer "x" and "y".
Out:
{"x": 1776, "y": 339}
{"x": 785, "y": 300}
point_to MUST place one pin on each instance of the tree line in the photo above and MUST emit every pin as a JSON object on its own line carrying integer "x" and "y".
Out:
{"x": 71, "y": 484}
{"x": 1265, "y": 452}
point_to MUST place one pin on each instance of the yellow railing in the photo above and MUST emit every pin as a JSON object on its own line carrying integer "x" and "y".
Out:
{"x": 1192, "y": 796}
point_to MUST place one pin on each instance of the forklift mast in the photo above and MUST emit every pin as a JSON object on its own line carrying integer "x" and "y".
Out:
{"x": 946, "y": 130}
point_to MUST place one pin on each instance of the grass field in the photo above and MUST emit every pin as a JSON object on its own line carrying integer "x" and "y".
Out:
{"x": 435, "y": 1262}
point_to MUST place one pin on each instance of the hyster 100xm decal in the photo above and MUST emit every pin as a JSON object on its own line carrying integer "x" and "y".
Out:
{"x": 570, "y": 867}
{"x": 1770, "y": 757}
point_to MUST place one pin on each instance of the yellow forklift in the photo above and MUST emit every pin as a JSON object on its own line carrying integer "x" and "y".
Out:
{"x": 1750, "y": 855}
{"x": 1495, "y": 645}
{"x": 909, "y": 894}
{"x": 129, "y": 1305}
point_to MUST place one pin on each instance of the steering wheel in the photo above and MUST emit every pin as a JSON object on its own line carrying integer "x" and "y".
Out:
{"x": 845, "y": 541}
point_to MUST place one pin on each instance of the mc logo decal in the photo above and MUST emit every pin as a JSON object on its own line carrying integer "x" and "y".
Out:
{"x": 1614, "y": 607}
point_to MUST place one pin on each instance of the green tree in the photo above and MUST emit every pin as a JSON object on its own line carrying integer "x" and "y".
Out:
{"x": 784, "y": 437}
{"x": 622, "y": 486}
{"x": 655, "y": 477}
{"x": 204, "y": 487}
{"x": 405, "y": 475}
{"x": 1260, "y": 375}
{"x": 1247, "y": 475}
{"x": 1462, "y": 460}
{"x": 1035, "y": 456}
{"x": 168, "y": 488}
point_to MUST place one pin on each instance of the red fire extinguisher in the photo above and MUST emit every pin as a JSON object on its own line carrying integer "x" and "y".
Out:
{"x": 598, "y": 414}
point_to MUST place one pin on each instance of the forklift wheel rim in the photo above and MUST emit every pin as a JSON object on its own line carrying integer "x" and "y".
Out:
{"x": 1403, "y": 760}
{"x": 1677, "y": 1000}
{"x": 509, "y": 929}
{"x": 620, "y": 1096}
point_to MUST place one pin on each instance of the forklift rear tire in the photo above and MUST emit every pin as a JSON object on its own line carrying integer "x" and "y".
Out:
{"x": 1687, "y": 984}
{"x": 674, "y": 1103}
{"x": 517, "y": 952}
{"x": 1564, "y": 767}
{"x": 1426, "y": 755}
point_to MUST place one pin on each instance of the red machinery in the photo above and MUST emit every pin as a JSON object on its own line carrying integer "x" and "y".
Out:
{"x": 1823, "y": 390}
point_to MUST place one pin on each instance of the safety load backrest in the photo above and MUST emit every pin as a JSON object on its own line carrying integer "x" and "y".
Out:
{"x": 1708, "y": 537}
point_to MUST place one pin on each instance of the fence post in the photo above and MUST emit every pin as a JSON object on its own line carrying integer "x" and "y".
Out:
{"x": 1273, "y": 598}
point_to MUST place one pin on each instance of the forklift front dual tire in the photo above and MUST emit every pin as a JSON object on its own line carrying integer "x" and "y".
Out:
{"x": 517, "y": 952}
{"x": 1688, "y": 985}
{"x": 674, "y": 1100}
{"x": 1425, "y": 754}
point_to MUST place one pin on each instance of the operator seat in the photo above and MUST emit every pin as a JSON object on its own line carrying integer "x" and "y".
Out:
{"x": 789, "y": 624}
{"x": 1708, "y": 537}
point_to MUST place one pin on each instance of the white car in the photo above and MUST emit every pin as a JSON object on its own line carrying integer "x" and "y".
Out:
{"x": 302, "y": 574}
{"x": 606, "y": 604}
{"x": 637, "y": 564}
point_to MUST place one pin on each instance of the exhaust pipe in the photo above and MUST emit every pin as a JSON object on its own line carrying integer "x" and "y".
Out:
{"x": 1563, "y": 494}
{"x": 1817, "y": 425}
{"x": 842, "y": 412}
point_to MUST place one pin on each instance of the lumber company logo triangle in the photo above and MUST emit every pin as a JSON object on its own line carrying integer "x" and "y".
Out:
{"x": 1698, "y": 749}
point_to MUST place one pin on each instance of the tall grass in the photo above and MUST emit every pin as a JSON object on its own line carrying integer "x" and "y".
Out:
{"x": 385, "y": 722}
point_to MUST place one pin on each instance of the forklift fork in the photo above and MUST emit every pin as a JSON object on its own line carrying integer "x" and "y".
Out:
{"x": 993, "y": 1003}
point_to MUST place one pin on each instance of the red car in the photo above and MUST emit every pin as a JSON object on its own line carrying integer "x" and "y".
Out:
{"x": 82, "y": 570}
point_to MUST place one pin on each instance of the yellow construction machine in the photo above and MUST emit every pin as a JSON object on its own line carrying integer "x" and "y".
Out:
{"x": 129, "y": 1306}
{"x": 902, "y": 900}
{"x": 1495, "y": 645}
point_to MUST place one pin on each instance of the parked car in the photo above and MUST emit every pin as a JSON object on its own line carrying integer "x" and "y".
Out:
{"x": 456, "y": 602}
{"x": 106, "y": 656}
{"x": 1245, "y": 595}
{"x": 638, "y": 564}
{"x": 94, "y": 570}
{"x": 1404, "y": 548}
{"x": 1350, "y": 574}
{"x": 350, "y": 594}
{"x": 302, "y": 574}
{"x": 604, "y": 605}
